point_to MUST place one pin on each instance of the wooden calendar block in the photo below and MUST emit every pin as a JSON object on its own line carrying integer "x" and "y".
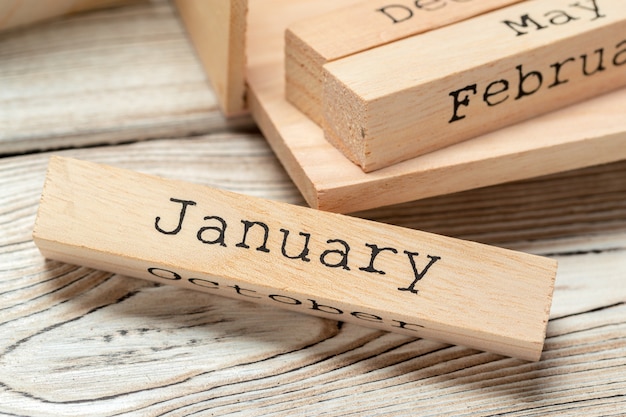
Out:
{"x": 588, "y": 133}
{"x": 306, "y": 260}
{"x": 357, "y": 27}
{"x": 426, "y": 92}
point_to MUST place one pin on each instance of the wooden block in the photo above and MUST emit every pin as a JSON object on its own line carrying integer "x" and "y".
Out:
{"x": 15, "y": 13}
{"x": 589, "y": 133}
{"x": 315, "y": 41}
{"x": 429, "y": 91}
{"x": 325, "y": 264}
{"x": 217, "y": 29}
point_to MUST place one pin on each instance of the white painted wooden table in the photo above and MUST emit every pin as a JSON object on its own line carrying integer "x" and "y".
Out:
{"x": 123, "y": 87}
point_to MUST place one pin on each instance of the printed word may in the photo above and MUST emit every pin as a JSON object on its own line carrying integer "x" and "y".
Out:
{"x": 555, "y": 18}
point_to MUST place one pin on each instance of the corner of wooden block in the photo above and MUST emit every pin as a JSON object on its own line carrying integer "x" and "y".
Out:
{"x": 39, "y": 235}
{"x": 551, "y": 266}
{"x": 303, "y": 76}
{"x": 217, "y": 30}
{"x": 344, "y": 122}
{"x": 237, "y": 103}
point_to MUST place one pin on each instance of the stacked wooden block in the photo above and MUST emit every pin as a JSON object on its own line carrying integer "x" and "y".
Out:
{"x": 389, "y": 82}
{"x": 370, "y": 103}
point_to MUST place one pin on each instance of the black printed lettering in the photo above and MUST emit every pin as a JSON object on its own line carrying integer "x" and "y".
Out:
{"x": 181, "y": 216}
{"x": 418, "y": 275}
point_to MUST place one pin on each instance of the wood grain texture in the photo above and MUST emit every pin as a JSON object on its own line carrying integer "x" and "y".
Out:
{"x": 103, "y": 77}
{"x": 74, "y": 341}
{"x": 413, "y": 96}
{"x": 218, "y": 31}
{"x": 15, "y": 13}
{"x": 593, "y": 132}
{"x": 79, "y": 341}
{"x": 362, "y": 25}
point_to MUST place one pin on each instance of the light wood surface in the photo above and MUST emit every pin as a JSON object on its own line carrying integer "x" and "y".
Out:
{"x": 592, "y": 132}
{"x": 334, "y": 266}
{"x": 137, "y": 58}
{"x": 432, "y": 90}
{"x": 76, "y": 341}
{"x": 218, "y": 31}
{"x": 359, "y": 26}
{"x": 16, "y": 13}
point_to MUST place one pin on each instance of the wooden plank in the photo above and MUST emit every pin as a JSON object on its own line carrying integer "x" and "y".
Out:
{"x": 429, "y": 91}
{"x": 370, "y": 273}
{"x": 132, "y": 76}
{"x": 315, "y": 41}
{"x": 589, "y": 133}
{"x": 218, "y": 31}
{"x": 16, "y": 13}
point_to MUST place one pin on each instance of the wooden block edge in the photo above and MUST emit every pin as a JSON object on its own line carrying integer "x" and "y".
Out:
{"x": 225, "y": 73}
